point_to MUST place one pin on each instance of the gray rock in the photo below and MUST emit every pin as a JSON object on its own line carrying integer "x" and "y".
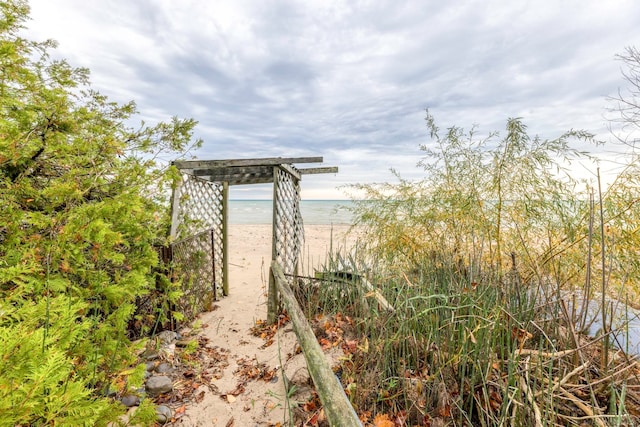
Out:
{"x": 164, "y": 368}
{"x": 130, "y": 400}
{"x": 167, "y": 337}
{"x": 163, "y": 414}
{"x": 150, "y": 355}
{"x": 158, "y": 385}
{"x": 167, "y": 351}
{"x": 150, "y": 366}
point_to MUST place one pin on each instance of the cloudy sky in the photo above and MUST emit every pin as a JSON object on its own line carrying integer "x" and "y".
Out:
{"x": 347, "y": 80}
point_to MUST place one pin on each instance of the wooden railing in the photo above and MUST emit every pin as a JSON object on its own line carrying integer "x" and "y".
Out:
{"x": 336, "y": 405}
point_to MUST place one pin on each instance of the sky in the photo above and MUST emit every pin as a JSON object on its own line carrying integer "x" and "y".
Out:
{"x": 347, "y": 80}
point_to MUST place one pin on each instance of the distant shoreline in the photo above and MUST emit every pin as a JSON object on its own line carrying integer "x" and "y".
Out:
{"x": 314, "y": 212}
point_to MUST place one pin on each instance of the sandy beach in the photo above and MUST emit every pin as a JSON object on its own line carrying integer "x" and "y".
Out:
{"x": 261, "y": 403}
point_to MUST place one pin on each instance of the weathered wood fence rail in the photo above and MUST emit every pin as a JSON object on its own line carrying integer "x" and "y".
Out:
{"x": 336, "y": 405}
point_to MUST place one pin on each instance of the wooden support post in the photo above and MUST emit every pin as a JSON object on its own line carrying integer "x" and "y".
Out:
{"x": 225, "y": 238}
{"x": 336, "y": 405}
{"x": 175, "y": 208}
{"x": 272, "y": 296}
{"x": 213, "y": 263}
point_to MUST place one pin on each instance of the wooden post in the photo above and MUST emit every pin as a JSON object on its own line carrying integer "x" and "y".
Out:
{"x": 272, "y": 296}
{"x": 213, "y": 263}
{"x": 336, "y": 405}
{"x": 225, "y": 238}
{"x": 175, "y": 208}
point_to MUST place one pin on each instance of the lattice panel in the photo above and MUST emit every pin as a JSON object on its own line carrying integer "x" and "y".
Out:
{"x": 199, "y": 254}
{"x": 194, "y": 262}
{"x": 200, "y": 206}
{"x": 288, "y": 226}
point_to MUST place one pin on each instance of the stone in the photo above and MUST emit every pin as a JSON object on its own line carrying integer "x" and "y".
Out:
{"x": 168, "y": 351}
{"x": 167, "y": 337}
{"x": 150, "y": 366}
{"x": 130, "y": 400}
{"x": 164, "y": 368}
{"x": 163, "y": 414}
{"x": 150, "y": 354}
{"x": 158, "y": 385}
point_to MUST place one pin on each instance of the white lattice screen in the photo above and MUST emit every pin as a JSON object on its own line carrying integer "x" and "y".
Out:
{"x": 288, "y": 226}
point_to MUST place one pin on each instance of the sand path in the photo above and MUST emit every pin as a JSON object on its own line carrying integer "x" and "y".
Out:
{"x": 231, "y": 400}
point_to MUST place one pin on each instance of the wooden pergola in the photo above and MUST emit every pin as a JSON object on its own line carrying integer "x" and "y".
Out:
{"x": 199, "y": 220}
{"x": 249, "y": 171}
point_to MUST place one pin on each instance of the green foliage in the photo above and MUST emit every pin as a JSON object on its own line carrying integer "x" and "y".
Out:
{"x": 483, "y": 201}
{"x": 473, "y": 257}
{"x": 83, "y": 204}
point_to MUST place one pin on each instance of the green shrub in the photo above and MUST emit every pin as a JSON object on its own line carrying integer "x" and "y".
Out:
{"x": 82, "y": 208}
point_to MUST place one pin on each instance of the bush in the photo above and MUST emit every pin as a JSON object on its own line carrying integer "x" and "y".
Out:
{"x": 82, "y": 208}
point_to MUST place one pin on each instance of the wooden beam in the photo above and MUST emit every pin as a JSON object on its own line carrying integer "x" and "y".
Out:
{"x": 336, "y": 405}
{"x": 291, "y": 170}
{"x": 314, "y": 171}
{"x": 237, "y": 175}
{"x": 268, "y": 161}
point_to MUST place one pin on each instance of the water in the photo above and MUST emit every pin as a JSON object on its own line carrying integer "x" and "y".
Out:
{"x": 313, "y": 211}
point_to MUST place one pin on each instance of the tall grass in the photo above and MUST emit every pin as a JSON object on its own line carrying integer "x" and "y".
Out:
{"x": 476, "y": 260}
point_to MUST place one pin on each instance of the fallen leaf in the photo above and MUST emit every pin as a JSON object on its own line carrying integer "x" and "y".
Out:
{"x": 382, "y": 420}
{"x": 325, "y": 343}
{"x": 350, "y": 346}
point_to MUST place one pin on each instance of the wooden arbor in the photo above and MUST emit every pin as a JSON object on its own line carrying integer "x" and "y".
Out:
{"x": 199, "y": 223}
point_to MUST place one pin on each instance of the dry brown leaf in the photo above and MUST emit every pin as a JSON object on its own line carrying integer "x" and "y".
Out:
{"x": 382, "y": 420}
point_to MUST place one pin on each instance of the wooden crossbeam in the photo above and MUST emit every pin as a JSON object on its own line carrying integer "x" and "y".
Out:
{"x": 314, "y": 171}
{"x": 269, "y": 161}
{"x": 249, "y": 171}
{"x": 237, "y": 175}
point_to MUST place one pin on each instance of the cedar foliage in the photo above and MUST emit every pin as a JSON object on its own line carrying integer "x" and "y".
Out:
{"x": 81, "y": 212}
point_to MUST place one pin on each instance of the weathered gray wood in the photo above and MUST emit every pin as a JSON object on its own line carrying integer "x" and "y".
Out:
{"x": 225, "y": 238}
{"x": 268, "y": 161}
{"x": 175, "y": 209}
{"x": 336, "y": 405}
{"x": 315, "y": 171}
{"x": 356, "y": 280}
{"x": 382, "y": 301}
{"x": 272, "y": 294}
{"x": 237, "y": 175}
{"x": 291, "y": 170}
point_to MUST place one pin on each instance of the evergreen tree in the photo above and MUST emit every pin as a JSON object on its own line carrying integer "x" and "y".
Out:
{"x": 81, "y": 210}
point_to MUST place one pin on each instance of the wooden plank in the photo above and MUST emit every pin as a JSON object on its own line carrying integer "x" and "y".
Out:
{"x": 356, "y": 280}
{"x": 225, "y": 239}
{"x": 175, "y": 208}
{"x": 315, "y": 171}
{"x": 290, "y": 169}
{"x": 234, "y": 170}
{"x": 336, "y": 405}
{"x": 267, "y": 161}
{"x": 272, "y": 294}
{"x": 237, "y": 175}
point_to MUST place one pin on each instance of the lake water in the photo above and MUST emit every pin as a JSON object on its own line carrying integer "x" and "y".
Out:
{"x": 313, "y": 211}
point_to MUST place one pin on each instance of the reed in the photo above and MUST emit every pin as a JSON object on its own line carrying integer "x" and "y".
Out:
{"x": 478, "y": 261}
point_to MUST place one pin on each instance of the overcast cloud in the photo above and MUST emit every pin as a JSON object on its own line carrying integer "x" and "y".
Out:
{"x": 347, "y": 80}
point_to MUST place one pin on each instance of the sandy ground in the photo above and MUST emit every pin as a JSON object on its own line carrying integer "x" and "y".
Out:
{"x": 262, "y": 403}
